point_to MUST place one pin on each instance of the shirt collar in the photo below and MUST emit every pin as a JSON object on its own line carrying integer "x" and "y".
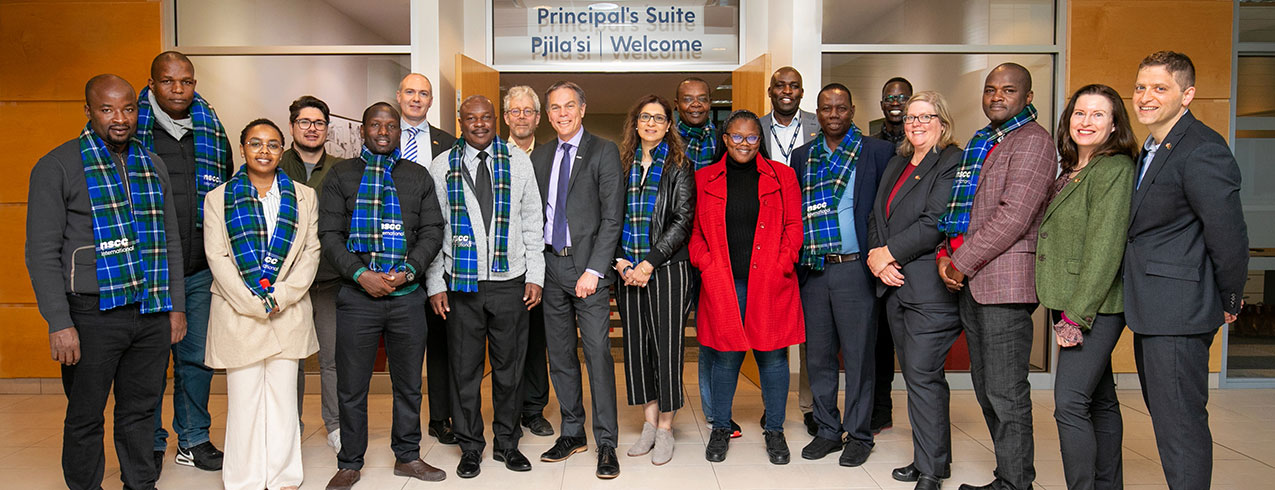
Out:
{"x": 575, "y": 140}
{"x": 273, "y": 192}
{"x": 423, "y": 127}
{"x": 1150, "y": 146}
{"x": 471, "y": 153}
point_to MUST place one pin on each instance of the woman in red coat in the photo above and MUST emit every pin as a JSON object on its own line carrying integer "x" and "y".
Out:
{"x": 745, "y": 242}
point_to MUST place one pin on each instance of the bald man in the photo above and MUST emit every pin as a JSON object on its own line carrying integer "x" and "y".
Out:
{"x": 415, "y": 95}
{"x": 100, "y": 207}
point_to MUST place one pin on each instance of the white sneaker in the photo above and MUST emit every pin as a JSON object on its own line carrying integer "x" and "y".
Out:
{"x": 334, "y": 440}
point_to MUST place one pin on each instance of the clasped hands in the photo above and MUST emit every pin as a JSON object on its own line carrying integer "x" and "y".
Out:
{"x": 634, "y": 275}
{"x": 883, "y": 265}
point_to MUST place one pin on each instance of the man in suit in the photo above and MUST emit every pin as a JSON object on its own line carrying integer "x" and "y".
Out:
{"x": 522, "y": 115}
{"x": 380, "y": 227}
{"x": 1185, "y": 263}
{"x": 415, "y": 95}
{"x": 839, "y": 171}
{"x": 998, "y": 200}
{"x": 784, "y": 129}
{"x": 487, "y": 278}
{"x": 579, "y": 177}
{"x": 107, "y": 328}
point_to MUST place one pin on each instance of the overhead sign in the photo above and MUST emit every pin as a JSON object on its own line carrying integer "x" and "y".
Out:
{"x": 660, "y": 33}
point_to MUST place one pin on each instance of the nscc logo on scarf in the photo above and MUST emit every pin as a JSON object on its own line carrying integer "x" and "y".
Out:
{"x": 818, "y": 209}
{"x": 392, "y": 229}
{"x": 212, "y": 180}
{"x": 112, "y": 247}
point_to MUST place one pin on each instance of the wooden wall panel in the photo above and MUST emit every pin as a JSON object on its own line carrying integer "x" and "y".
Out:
{"x": 48, "y": 50}
{"x": 749, "y": 84}
{"x": 1216, "y": 113}
{"x": 1122, "y": 360}
{"x": 473, "y": 77}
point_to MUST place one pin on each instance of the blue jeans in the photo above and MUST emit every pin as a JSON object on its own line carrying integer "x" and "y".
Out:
{"x": 191, "y": 378}
{"x": 772, "y": 366}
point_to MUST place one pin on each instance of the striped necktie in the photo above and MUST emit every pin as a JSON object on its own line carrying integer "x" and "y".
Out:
{"x": 409, "y": 148}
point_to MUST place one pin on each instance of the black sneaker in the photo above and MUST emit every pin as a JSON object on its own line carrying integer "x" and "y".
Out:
{"x": 537, "y": 424}
{"x": 718, "y": 444}
{"x": 855, "y": 454}
{"x": 812, "y": 427}
{"x": 159, "y": 463}
{"x": 820, "y": 447}
{"x": 736, "y": 431}
{"x": 204, "y": 456}
{"x": 777, "y": 447}
{"x": 442, "y": 430}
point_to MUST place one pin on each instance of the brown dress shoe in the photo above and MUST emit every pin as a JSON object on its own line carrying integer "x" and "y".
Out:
{"x": 419, "y": 470}
{"x": 343, "y": 479}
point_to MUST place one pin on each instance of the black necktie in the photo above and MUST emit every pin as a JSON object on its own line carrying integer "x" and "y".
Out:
{"x": 483, "y": 191}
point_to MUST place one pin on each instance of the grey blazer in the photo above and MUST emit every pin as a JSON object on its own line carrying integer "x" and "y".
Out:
{"x": 910, "y": 231}
{"x": 595, "y": 200}
{"x": 809, "y": 129}
{"x": 1186, "y": 259}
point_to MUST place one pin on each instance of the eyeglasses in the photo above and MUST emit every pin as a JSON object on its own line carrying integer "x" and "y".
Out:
{"x": 752, "y": 139}
{"x": 528, "y": 112}
{"x": 647, "y": 117}
{"x": 688, "y": 100}
{"x": 894, "y": 98}
{"x": 923, "y": 118}
{"x": 256, "y": 145}
{"x": 306, "y": 124}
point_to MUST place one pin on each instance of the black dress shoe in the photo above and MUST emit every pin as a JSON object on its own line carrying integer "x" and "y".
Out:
{"x": 820, "y": 447}
{"x": 442, "y": 430}
{"x": 927, "y": 482}
{"x": 537, "y": 424}
{"x": 513, "y": 459}
{"x": 563, "y": 448}
{"x": 470, "y": 463}
{"x": 718, "y": 444}
{"x": 777, "y": 447}
{"x": 812, "y": 427}
{"x": 910, "y": 473}
{"x": 855, "y": 453}
{"x": 989, "y": 486}
{"x": 880, "y": 422}
{"x": 608, "y": 464}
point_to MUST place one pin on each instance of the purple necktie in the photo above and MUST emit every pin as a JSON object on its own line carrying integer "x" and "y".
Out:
{"x": 560, "y": 202}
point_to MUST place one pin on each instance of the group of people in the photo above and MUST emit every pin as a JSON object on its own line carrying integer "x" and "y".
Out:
{"x": 792, "y": 228}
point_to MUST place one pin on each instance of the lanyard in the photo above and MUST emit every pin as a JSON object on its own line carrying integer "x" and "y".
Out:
{"x": 795, "y": 134}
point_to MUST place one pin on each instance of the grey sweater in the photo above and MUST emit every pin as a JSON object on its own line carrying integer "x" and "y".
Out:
{"x": 60, "y": 252}
{"x": 526, "y": 226}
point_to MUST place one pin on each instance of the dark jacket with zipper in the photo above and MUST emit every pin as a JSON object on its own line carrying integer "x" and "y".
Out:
{"x": 60, "y": 253}
{"x": 179, "y": 155}
{"x": 674, "y": 214}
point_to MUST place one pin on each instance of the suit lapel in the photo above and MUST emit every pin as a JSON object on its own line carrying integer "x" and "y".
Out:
{"x": 928, "y": 162}
{"x": 544, "y": 167}
{"x": 586, "y": 143}
{"x": 1162, "y": 155}
{"x": 1070, "y": 188}
{"x": 809, "y": 125}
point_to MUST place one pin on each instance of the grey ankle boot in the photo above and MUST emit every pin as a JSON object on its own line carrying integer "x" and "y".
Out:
{"x": 644, "y": 443}
{"x": 663, "y": 451}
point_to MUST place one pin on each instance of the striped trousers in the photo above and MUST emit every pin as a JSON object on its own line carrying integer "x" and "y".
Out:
{"x": 653, "y": 319}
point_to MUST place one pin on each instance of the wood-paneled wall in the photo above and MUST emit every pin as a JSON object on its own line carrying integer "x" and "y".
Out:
{"x": 1105, "y": 41}
{"x": 48, "y": 50}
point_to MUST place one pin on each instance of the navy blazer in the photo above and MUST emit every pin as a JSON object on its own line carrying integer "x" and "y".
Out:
{"x": 873, "y": 157}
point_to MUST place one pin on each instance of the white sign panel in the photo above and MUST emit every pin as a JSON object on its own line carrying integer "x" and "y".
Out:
{"x": 646, "y": 35}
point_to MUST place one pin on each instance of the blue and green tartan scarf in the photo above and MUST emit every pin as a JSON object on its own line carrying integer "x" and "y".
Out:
{"x": 635, "y": 238}
{"x": 258, "y": 263}
{"x": 825, "y": 181}
{"x": 376, "y": 225}
{"x": 956, "y": 220}
{"x": 701, "y": 142}
{"x": 464, "y": 248}
{"x": 131, "y": 245}
{"x": 212, "y": 148}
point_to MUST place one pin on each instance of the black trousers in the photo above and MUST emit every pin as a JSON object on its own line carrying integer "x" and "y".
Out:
{"x": 126, "y": 350}
{"x": 923, "y": 335}
{"x": 361, "y": 321}
{"x": 840, "y": 309}
{"x": 654, "y": 321}
{"x": 490, "y": 323}
{"x": 565, "y": 315}
{"x": 1000, "y": 340}
{"x": 882, "y": 405}
{"x": 1090, "y": 429}
{"x": 437, "y": 369}
{"x": 534, "y": 389}
{"x": 1174, "y": 372}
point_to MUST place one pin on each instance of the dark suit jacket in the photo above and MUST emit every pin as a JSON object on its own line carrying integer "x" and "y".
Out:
{"x": 1186, "y": 259}
{"x": 595, "y": 200}
{"x": 911, "y": 231}
{"x": 873, "y": 157}
{"x": 440, "y": 141}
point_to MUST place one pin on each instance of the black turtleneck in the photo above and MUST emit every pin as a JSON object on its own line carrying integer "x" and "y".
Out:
{"x": 741, "y": 214}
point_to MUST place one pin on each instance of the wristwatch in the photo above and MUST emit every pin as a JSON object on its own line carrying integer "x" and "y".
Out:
{"x": 409, "y": 276}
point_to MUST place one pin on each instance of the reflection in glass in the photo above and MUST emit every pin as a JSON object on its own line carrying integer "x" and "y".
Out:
{"x": 293, "y": 22}
{"x": 938, "y": 22}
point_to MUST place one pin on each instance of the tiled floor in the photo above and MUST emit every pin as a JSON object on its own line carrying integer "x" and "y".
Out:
{"x": 1243, "y": 424}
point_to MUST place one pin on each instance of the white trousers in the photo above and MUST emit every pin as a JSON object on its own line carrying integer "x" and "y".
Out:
{"x": 263, "y": 436}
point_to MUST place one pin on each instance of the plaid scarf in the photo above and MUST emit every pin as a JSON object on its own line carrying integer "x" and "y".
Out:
{"x": 464, "y": 248}
{"x": 132, "y": 249}
{"x": 635, "y": 238}
{"x": 701, "y": 145}
{"x": 376, "y": 225}
{"x": 212, "y": 148}
{"x": 956, "y": 220}
{"x": 823, "y": 184}
{"x": 258, "y": 263}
